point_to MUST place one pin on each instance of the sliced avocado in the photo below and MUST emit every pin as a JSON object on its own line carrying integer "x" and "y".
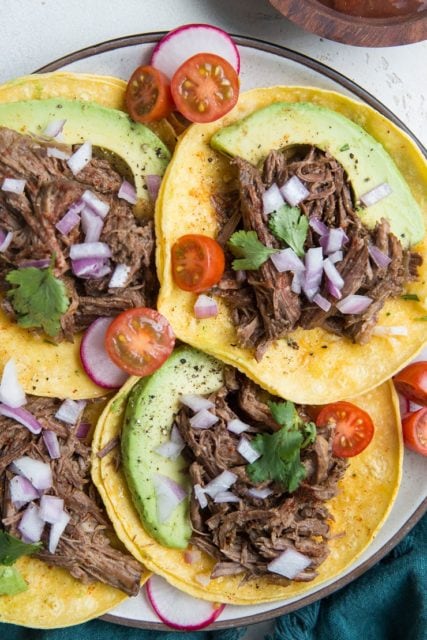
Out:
{"x": 151, "y": 408}
{"x": 108, "y": 129}
{"x": 365, "y": 160}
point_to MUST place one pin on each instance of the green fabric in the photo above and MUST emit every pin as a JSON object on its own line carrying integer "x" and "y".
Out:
{"x": 389, "y": 602}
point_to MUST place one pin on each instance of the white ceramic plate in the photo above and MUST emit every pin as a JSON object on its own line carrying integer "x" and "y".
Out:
{"x": 264, "y": 64}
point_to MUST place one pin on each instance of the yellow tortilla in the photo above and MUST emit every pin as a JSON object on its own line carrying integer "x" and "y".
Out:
{"x": 366, "y": 496}
{"x": 326, "y": 367}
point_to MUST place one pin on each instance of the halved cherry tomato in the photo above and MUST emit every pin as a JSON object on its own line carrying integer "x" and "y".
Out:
{"x": 139, "y": 341}
{"x": 415, "y": 431}
{"x": 205, "y": 87}
{"x": 354, "y": 428}
{"x": 197, "y": 262}
{"x": 148, "y": 95}
{"x": 411, "y": 382}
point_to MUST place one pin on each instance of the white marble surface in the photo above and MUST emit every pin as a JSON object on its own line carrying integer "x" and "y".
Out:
{"x": 36, "y": 32}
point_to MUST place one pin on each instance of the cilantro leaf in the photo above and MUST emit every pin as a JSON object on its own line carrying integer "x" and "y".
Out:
{"x": 12, "y": 548}
{"x": 251, "y": 253}
{"x": 291, "y": 226}
{"x": 39, "y": 299}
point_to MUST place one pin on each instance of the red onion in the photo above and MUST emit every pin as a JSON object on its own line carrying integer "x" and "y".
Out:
{"x": 297, "y": 282}
{"x": 376, "y": 194}
{"x": 380, "y": 258}
{"x": 322, "y": 302}
{"x": 56, "y": 531}
{"x": 22, "y": 416}
{"x": 333, "y": 240}
{"x": 6, "y": 241}
{"x": 176, "y": 436}
{"x": 37, "y": 472}
{"x": 221, "y": 483}
{"x": 60, "y": 154}
{"x": 153, "y": 186}
{"x": 54, "y": 128}
{"x": 127, "y": 192}
{"x": 67, "y": 223}
{"x": 43, "y": 263}
{"x": 337, "y": 256}
{"x": 333, "y": 274}
{"x": 199, "y": 492}
{"x": 98, "y": 206}
{"x": 80, "y": 158}
{"x": 289, "y": 564}
{"x": 272, "y": 199}
{"x": 90, "y": 250}
{"x": 195, "y": 402}
{"x": 70, "y": 411}
{"x": 313, "y": 273}
{"x": 13, "y": 185}
{"x": 294, "y": 191}
{"x": 226, "y": 496}
{"x": 247, "y": 451}
{"x": 203, "y": 419}
{"x": 205, "y": 307}
{"x": 51, "y": 508}
{"x": 169, "y": 449}
{"x": 389, "y": 331}
{"x": 237, "y": 426}
{"x": 120, "y": 276}
{"x": 88, "y": 268}
{"x": 82, "y": 430}
{"x": 31, "y": 525}
{"x": 11, "y": 392}
{"x": 353, "y": 304}
{"x": 22, "y": 491}
{"x": 318, "y": 226}
{"x": 52, "y": 444}
{"x": 169, "y": 494}
{"x": 287, "y": 260}
{"x": 92, "y": 225}
{"x": 261, "y": 494}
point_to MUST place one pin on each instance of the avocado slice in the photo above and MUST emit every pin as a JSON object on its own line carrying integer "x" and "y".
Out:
{"x": 365, "y": 160}
{"x": 109, "y": 129}
{"x": 151, "y": 408}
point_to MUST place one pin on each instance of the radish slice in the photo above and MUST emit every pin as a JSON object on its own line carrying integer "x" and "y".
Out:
{"x": 177, "y": 609}
{"x": 11, "y": 392}
{"x": 186, "y": 41}
{"x": 95, "y": 359}
{"x": 404, "y": 405}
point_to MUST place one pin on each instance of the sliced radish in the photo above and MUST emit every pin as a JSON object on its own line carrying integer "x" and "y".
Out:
{"x": 95, "y": 359}
{"x": 179, "y": 610}
{"x": 188, "y": 40}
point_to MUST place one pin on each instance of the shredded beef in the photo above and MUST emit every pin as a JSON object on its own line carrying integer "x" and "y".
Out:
{"x": 85, "y": 549}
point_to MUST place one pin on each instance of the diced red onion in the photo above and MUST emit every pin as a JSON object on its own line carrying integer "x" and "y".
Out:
{"x": 240, "y": 275}
{"x": 90, "y": 250}
{"x": 287, "y": 260}
{"x": 389, "y": 331}
{"x": 205, "y": 307}
{"x": 322, "y": 302}
{"x": 376, "y": 194}
{"x": 68, "y": 221}
{"x": 169, "y": 449}
{"x": 43, "y": 263}
{"x": 60, "y": 154}
{"x": 56, "y": 531}
{"x": 31, "y": 525}
{"x": 333, "y": 290}
{"x": 221, "y": 483}
{"x": 333, "y": 240}
{"x": 289, "y": 564}
{"x": 51, "y": 508}
{"x": 333, "y": 274}
{"x": 169, "y": 494}
{"x": 127, "y": 192}
{"x": 14, "y": 185}
{"x": 294, "y": 191}
{"x": 176, "y": 436}
{"x": 337, "y": 256}
{"x": 272, "y": 199}
{"x": 318, "y": 226}
{"x": 92, "y": 225}
{"x": 88, "y": 268}
{"x": 237, "y": 426}
{"x": 226, "y": 496}
{"x": 380, "y": 258}
{"x": 153, "y": 183}
{"x": 82, "y": 430}
{"x": 353, "y": 304}
{"x": 313, "y": 272}
{"x": 195, "y": 402}
{"x": 54, "y": 128}
{"x": 199, "y": 492}
{"x": 247, "y": 451}
{"x": 37, "y": 472}
{"x": 297, "y": 282}
{"x": 70, "y": 411}
{"x": 80, "y": 158}
{"x": 11, "y": 392}
{"x": 120, "y": 276}
{"x": 262, "y": 494}
{"x": 22, "y": 416}
{"x": 192, "y": 555}
{"x": 52, "y": 444}
{"x": 6, "y": 242}
{"x": 203, "y": 419}
{"x": 98, "y": 206}
{"x": 22, "y": 491}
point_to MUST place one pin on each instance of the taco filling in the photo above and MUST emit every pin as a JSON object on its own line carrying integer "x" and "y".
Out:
{"x": 320, "y": 266}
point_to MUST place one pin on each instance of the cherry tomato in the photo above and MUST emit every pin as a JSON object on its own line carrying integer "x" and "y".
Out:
{"x": 354, "y": 428}
{"x": 139, "y": 341}
{"x": 148, "y": 96}
{"x": 415, "y": 431}
{"x": 411, "y": 382}
{"x": 197, "y": 262}
{"x": 205, "y": 87}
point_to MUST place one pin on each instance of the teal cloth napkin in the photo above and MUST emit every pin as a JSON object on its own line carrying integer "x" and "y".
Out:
{"x": 389, "y": 602}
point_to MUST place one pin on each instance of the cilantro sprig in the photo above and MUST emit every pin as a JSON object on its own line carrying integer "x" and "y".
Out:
{"x": 280, "y": 459}
{"x": 291, "y": 226}
{"x": 249, "y": 250}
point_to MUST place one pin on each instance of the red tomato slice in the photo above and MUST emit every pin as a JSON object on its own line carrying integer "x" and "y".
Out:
{"x": 198, "y": 262}
{"x": 354, "y": 428}
{"x": 415, "y": 431}
{"x": 139, "y": 341}
{"x": 205, "y": 87}
{"x": 411, "y": 382}
{"x": 148, "y": 96}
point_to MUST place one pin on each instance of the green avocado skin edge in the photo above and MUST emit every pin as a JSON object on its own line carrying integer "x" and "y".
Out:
{"x": 149, "y": 416}
{"x": 365, "y": 160}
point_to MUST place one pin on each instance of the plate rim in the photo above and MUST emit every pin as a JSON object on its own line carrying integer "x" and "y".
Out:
{"x": 342, "y": 80}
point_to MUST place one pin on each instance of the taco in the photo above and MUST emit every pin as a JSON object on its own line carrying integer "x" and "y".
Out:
{"x": 78, "y": 570}
{"x": 76, "y": 234}
{"x": 188, "y": 504}
{"x": 320, "y": 300}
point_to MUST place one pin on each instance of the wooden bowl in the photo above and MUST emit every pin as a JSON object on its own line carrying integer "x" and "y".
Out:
{"x": 314, "y": 16}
